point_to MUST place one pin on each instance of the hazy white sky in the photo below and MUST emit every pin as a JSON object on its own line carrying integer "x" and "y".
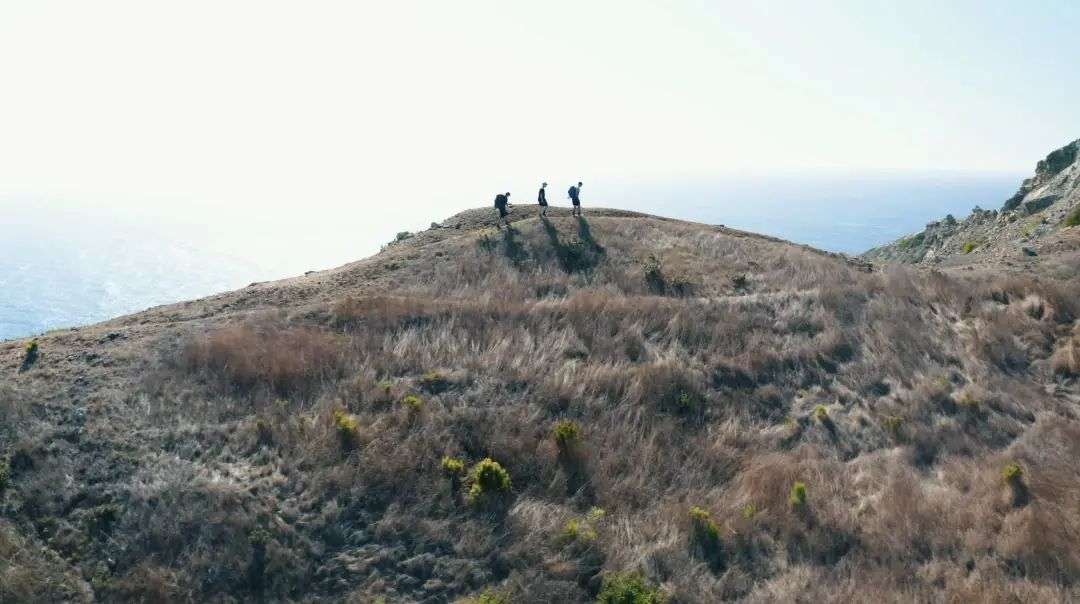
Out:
{"x": 411, "y": 110}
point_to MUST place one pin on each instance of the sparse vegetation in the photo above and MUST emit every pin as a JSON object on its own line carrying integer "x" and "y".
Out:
{"x": 1073, "y": 219}
{"x": 969, "y": 247}
{"x": 628, "y": 588}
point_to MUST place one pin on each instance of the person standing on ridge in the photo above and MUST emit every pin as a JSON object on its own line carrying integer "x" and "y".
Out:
{"x": 501, "y": 201}
{"x": 575, "y": 198}
{"x": 541, "y": 198}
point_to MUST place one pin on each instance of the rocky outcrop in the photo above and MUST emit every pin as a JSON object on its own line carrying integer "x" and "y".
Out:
{"x": 1036, "y": 213}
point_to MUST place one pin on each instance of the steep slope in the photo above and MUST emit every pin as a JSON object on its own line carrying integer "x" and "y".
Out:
{"x": 1037, "y": 217}
{"x": 720, "y": 414}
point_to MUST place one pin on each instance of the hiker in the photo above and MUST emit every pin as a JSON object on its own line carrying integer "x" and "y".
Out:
{"x": 501, "y": 201}
{"x": 541, "y": 198}
{"x": 575, "y": 198}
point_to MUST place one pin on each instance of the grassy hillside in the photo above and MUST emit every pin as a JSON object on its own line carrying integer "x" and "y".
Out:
{"x": 568, "y": 410}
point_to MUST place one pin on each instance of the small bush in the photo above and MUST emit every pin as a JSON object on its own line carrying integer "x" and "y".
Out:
{"x": 970, "y": 247}
{"x": 413, "y": 404}
{"x": 685, "y": 403}
{"x": 348, "y": 429}
{"x": 628, "y": 588}
{"x": 1073, "y": 219}
{"x": 33, "y": 352}
{"x": 567, "y": 435}
{"x": 797, "y": 498}
{"x": 577, "y": 530}
{"x": 740, "y": 282}
{"x": 653, "y": 271}
{"x": 487, "y": 479}
{"x": 434, "y": 382}
{"x": 821, "y": 414}
{"x": 452, "y": 466}
{"x": 705, "y": 534}
{"x": 1012, "y": 474}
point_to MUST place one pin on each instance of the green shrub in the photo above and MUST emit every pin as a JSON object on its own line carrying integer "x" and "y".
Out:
{"x": 797, "y": 498}
{"x": 487, "y": 479}
{"x": 413, "y": 404}
{"x": 576, "y": 530}
{"x": 970, "y": 247}
{"x": 434, "y": 382}
{"x": 582, "y": 530}
{"x": 1073, "y": 219}
{"x": 348, "y": 429}
{"x": 33, "y": 351}
{"x": 740, "y": 282}
{"x": 705, "y": 534}
{"x": 821, "y": 414}
{"x": 453, "y": 466}
{"x": 1012, "y": 474}
{"x": 567, "y": 435}
{"x": 653, "y": 271}
{"x": 685, "y": 403}
{"x": 628, "y": 588}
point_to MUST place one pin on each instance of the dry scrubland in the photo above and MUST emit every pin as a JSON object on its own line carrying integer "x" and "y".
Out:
{"x": 676, "y": 410}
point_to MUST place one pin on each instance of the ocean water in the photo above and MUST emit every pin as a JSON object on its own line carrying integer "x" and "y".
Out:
{"x": 69, "y": 263}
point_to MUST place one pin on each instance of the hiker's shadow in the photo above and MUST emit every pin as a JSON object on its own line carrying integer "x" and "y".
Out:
{"x": 579, "y": 253}
{"x": 514, "y": 248}
{"x": 585, "y": 233}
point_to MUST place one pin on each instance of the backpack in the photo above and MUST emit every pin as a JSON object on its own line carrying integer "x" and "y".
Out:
{"x": 572, "y": 193}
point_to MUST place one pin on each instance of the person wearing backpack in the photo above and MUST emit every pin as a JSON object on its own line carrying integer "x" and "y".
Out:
{"x": 575, "y": 198}
{"x": 541, "y": 198}
{"x": 501, "y": 201}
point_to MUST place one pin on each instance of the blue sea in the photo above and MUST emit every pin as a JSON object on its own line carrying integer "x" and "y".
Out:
{"x": 64, "y": 262}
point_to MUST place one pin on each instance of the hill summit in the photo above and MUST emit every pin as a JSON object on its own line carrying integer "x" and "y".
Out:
{"x": 616, "y": 408}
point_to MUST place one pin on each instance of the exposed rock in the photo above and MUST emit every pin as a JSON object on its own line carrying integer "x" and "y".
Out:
{"x": 1036, "y": 213}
